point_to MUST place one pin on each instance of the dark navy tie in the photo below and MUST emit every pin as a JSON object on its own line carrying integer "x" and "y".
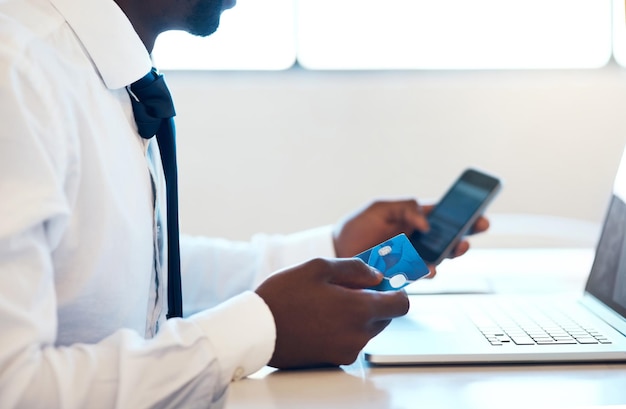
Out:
{"x": 154, "y": 114}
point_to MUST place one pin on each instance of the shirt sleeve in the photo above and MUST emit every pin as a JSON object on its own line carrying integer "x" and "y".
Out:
{"x": 188, "y": 364}
{"x": 216, "y": 269}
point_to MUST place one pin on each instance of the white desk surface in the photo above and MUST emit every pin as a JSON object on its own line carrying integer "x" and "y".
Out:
{"x": 456, "y": 387}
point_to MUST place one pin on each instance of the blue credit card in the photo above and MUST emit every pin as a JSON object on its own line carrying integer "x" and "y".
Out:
{"x": 399, "y": 262}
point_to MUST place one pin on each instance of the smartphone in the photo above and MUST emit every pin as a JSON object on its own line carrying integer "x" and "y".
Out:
{"x": 455, "y": 214}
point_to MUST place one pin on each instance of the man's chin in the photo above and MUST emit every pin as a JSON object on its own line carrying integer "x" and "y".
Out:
{"x": 228, "y": 4}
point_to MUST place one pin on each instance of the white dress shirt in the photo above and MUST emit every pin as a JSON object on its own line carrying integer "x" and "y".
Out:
{"x": 82, "y": 305}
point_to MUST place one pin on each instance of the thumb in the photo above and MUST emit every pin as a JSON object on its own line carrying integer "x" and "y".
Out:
{"x": 354, "y": 273}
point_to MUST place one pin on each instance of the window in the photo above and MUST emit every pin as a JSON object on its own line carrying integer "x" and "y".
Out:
{"x": 453, "y": 34}
{"x": 255, "y": 35}
{"x": 400, "y": 34}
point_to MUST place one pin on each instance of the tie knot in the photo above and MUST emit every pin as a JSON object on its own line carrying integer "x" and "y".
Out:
{"x": 152, "y": 103}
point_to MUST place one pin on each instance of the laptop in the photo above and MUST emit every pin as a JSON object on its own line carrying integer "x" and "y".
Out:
{"x": 525, "y": 328}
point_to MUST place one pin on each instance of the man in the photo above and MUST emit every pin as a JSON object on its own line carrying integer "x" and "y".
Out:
{"x": 82, "y": 283}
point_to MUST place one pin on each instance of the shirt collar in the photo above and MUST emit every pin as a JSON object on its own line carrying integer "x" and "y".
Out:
{"x": 109, "y": 38}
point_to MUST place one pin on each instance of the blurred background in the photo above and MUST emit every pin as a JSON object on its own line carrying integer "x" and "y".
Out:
{"x": 290, "y": 124}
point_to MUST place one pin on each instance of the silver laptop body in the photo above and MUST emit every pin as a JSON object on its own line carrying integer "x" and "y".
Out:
{"x": 491, "y": 328}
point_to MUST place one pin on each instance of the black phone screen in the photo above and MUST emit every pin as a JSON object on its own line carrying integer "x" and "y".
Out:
{"x": 454, "y": 214}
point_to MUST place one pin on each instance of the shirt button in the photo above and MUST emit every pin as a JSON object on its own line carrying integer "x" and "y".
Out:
{"x": 238, "y": 374}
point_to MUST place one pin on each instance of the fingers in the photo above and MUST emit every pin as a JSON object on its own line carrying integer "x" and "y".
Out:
{"x": 410, "y": 213}
{"x": 388, "y": 304}
{"x": 460, "y": 249}
{"x": 324, "y": 313}
{"x": 350, "y": 273}
{"x": 433, "y": 271}
{"x": 378, "y": 326}
{"x": 427, "y": 208}
{"x": 481, "y": 225}
{"x": 372, "y": 311}
{"x": 378, "y": 221}
{"x": 353, "y": 274}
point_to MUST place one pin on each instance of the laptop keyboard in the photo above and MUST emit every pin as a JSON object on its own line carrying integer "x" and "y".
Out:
{"x": 508, "y": 326}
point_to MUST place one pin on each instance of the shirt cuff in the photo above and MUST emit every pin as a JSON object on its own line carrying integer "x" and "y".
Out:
{"x": 242, "y": 333}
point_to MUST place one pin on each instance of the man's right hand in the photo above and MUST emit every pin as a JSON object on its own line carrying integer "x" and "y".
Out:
{"x": 323, "y": 313}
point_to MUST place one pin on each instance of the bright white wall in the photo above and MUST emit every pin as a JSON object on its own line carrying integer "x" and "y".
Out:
{"x": 282, "y": 151}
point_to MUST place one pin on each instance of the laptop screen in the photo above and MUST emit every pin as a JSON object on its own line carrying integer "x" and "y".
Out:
{"x": 607, "y": 280}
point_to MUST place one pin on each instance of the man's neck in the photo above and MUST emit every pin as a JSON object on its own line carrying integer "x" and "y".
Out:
{"x": 140, "y": 17}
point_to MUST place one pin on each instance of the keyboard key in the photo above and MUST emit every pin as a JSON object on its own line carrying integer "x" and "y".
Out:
{"x": 523, "y": 340}
{"x": 587, "y": 340}
{"x": 502, "y": 328}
